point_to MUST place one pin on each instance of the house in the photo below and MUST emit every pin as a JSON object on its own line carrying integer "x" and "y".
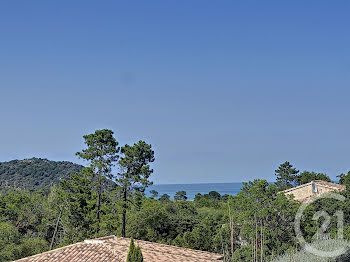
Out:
{"x": 305, "y": 192}
{"x": 115, "y": 249}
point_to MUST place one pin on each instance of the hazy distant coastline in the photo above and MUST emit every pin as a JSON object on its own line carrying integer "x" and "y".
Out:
{"x": 193, "y": 189}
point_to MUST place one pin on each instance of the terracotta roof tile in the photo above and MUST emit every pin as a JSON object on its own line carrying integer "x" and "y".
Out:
{"x": 80, "y": 252}
{"x": 334, "y": 186}
{"x": 115, "y": 249}
{"x": 330, "y": 184}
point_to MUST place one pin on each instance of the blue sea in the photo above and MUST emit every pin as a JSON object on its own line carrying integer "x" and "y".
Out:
{"x": 193, "y": 189}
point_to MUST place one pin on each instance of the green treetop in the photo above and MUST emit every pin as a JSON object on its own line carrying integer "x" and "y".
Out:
{"x": 285, "y": 174}
{"x": 180, "y": 195}
{"x": 306, "y": 177}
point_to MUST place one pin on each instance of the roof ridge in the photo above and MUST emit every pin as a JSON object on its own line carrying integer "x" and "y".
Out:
{"x": 184, "y": 249}
{"x": 104, "y": 238}
{"x": 300, "y": 186}
{"x": 51, "y": 251}
{"x": 99, "y": 242}
{"x": 313, "y": 181}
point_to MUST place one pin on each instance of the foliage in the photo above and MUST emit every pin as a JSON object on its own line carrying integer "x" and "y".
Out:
{"x": 306, "y": 177}
{"x": 131, "y": 250}
{"x": 135, "y": 254}
{"x": 164, "y": 197}
{"x": 285, "y": 176}
{"x": 102, "y": 151}
{"x": 324, "y": 245}
{"x": 35, "y": 173}
{"x": 258, "y": 218}
{"x": 268, "y": 222}
{"x": 16, "y": 242}
{"x": 79, "y": 207}
{"x": 256, "y": 223}
{"x": 154, "y": 193}
{"x": 180, "y": 195}
{"x": 214, "y": 195}
{"x": 134, "y": 176}
{"x": 211, "y": 199}
{"x": 344, "y": 179}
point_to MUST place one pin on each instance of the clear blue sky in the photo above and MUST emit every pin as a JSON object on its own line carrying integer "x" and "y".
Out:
{"x": 224, "y": 90}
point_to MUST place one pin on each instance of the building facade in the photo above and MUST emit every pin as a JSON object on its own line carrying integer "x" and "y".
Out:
{"x": 305, "y": 192}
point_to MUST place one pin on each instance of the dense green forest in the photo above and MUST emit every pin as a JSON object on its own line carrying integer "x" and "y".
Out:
{"x": 35, "y": 173}
{"x": 255, "y": 225}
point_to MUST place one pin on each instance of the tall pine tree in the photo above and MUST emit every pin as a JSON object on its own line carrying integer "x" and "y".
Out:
{"x": 102, "y": 152}
{"x": 285, "y": 176}
{"x": 134, "y": 176}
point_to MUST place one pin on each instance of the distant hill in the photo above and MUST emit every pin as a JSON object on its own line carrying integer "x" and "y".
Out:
{"x": 35, "y": 173}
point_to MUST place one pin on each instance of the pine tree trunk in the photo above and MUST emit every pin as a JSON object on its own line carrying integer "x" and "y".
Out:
{"x": 56, "y": 229}
{"x": 232, "y": 232}
{"x": 99, "y": 200}
{"x": 232, "y": 238}
{"x": 124, "y": 213}
{"x": 256, "y": 241}
{"x": 261, "y": 242}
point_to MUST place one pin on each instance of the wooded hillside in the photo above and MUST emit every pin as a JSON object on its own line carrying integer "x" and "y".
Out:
{"x": 35, "y": 173}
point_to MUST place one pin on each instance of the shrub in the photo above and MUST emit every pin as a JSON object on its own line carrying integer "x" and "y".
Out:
{"x": 324, "y": 245}
{"x": 135, "y": 254}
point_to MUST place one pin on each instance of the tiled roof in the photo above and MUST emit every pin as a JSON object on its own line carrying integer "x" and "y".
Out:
{"x": 80, "y": 252}
{"x": 115, "y": 249}
{"x": 331, "y": 185}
